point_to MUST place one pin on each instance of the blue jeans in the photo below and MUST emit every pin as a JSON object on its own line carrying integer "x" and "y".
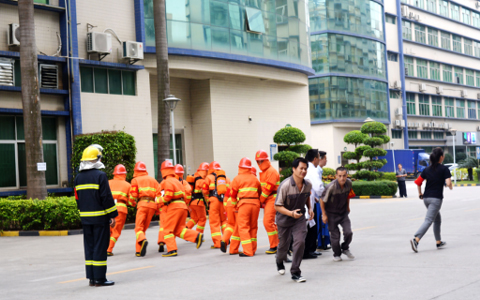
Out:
{"x": 433, "y": 216}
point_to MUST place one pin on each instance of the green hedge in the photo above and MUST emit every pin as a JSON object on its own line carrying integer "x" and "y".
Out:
{"x": 375, "y": 188}
{"x": 328, "y": 171}
{"x": 388, "y": 176}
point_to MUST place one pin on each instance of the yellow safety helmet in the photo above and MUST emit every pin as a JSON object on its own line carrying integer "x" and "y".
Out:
{"x": 91, "y": 153}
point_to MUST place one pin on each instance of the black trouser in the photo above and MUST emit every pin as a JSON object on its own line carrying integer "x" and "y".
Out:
{"x": 96, "y": 239}
{"x": 402, "y": 188}
{"x": 311, "y": 239}
{"x": 334, "y": 221}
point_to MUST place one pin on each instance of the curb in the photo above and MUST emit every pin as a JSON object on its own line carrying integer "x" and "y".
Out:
{"x": 374, "y": 197}
{"x": 61, "y": 232}
{"x": 467, "y": 184}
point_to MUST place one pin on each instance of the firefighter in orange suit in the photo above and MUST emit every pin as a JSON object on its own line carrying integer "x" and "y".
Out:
{"x": 163, "y": 216}
{"x": 144, "y": 190}
{"x": 188, "y": 189}
{"x": 177, "y": 211}
{"x": 246, "y": 189}
{"x": 270, "y": 180}
{"x": 121, "y": 194}
{"x": 198, "y": 213}
{"x": 214, "y": 188}
{"x": 231, "y": 231}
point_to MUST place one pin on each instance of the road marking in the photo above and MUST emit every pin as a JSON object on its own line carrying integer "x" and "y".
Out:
{"x": 364, "y": 228}
{"x": 113, "y": 273}
{"x": 473, "y": 209}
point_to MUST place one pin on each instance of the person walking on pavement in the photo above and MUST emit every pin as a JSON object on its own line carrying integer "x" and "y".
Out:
{"x": 436, "y": 175}
{"x": 144, "y": 190}
{"x": 177, "y": 211}
{"x": 335, "y": 206}
{"x": 188, "y": 189}
{"x": 97, "y": 209}
{"x": 231, "y": 236}
{"x": 214, "y": 189}
{"x": 401, "y": 174}
{"x": 121, "y": 194}
{"x": 246, "y": 187}
{"x": 292, "y": 196}
{"x": 270, "y": 180}
{"x": 323, "y": 233}
{"x": 198, "y": 212}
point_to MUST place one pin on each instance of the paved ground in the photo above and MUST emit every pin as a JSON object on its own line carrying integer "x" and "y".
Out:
{"x": 385, "y": 267}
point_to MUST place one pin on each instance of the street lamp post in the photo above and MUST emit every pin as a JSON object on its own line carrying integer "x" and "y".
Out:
{"x": 172, "y": 102}
{"x": 454, "y": 131}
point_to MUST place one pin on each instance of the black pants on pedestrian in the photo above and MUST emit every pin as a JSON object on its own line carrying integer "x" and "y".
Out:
{"x": 402, "y": 188}
{"x": 334, "y": 221}
{"x": 96, "y": 239}
{"x": 311, "y": 239}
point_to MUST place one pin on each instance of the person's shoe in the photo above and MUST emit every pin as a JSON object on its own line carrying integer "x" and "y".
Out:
{"x": 199, "y": 240}
{"x": 280, "y": 268}
{"x": 337, "y": 258}
{"x": 91, "y": 282}
{"x": 327, "y": 247}
{"x": 170, "y": 253}
{"x": 348, "y": 254}
{"x": 441, "y": 244}
{"x": 137, "y": 254}
{"x": 104, "y": 282}
{"x": 236, "y": 253}
{"x": 414, "y": 244}
{"x": 298, "y": 278}
{"x": 223, "y": 247}
{"x": 309, "y": 256}
{"x": 161, "y": 247}
{"x": 109, "y": 254}
{"x": 271, "y": 251}
{"x": 290, "y": 252}
{"x": 243, "y": 255}
{"x": 143, "y": 250}
{"x": 288, "y": 260}
{"x": 213, "y": 247}
{"x": 317, "y": 253}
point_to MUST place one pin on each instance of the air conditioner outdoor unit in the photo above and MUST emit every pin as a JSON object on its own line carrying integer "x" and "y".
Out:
{"x": 417, "y": 18}
{"x": 98, "y": 42}
{"x": 398, "y": 112}
{"x": 405, "y": 11}
{"x": 402, "y": 123}
{"x": 478, "y": 96}
{"x": 447, "y": 125}
{"x": 464, "y": 93}
{"x": 477, "y": 5}
{"x": 406, "y": 71}
{"x": 411, "y": 15}
{"x": 478, "y": 128}
{"x": 439, "y": 89}
{"x": 6, "y": 71}
{"x": 441, "y": 126}
{"x": 409, "y": 124}
{"x": 11, "y": 37}
{"x": 132, "y": 50}
{"x": 426, "y": 125}
{"x": 423, "y": 87}
{"x": 396, "y": 85}
{"x": 48, "y": 76}
{"x": 397, "y": 123}
{"x": 433, "y": 125}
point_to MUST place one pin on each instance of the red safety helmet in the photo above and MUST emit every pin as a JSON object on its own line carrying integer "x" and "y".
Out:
{"x": 119, "y": 170}
{"x": 214, "y": 165}
{"x": 179, "y": 170}
{"x": 261, "y": 155}
{"x": 166, "y": 165}
{"x": 140, "y": 166}
{"x": 254, "y": 171}
{"x": 203, "y": 167}
{"x": 245, "y": 163}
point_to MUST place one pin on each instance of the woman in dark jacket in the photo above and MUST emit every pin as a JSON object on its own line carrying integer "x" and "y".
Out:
{"x": 436, "y": 175}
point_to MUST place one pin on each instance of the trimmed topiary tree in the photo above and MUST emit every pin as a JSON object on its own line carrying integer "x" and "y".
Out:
{"x": 371, "y": 135}
{"x": 292, "y": 138}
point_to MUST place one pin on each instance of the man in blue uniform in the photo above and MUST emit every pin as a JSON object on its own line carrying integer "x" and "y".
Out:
{"x": 97, "y": 210}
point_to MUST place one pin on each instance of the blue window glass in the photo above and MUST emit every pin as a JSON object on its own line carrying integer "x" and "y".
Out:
{"x": 255, "y": 20}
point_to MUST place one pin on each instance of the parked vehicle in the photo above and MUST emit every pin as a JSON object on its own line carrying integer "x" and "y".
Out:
{"x": 414, "y": 161}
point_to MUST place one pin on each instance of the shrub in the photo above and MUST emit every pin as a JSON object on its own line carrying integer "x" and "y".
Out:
{"x": 373, "y": 127}
{"x": 388, "y": 176}
{"x": 448, "y": 159}
{"x": 328, "y": 171}
{"x": 375, "y": 188}
{"x": 365, "y": 174}
{"x": 355, "y": 137}
{"x": 118, "y": 148}
{"x": 292, "y": 137}
{"x": 288, "y": 136}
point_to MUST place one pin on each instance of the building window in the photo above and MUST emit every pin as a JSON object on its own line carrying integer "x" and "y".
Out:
{"x": 449, "y": 108}
{"x": 457, "y": 43}
{"x": 432, "y": 6}
{"x": 437, "y": 106}
{"x": 407, "y": 30}
{"x": 476, "y": 19}
{"x": 420, "y": 34}
{"x": 472, "y": 110}
{"x": 470, "y": 77}
{"x": 447, "y": 73}
{"x": 434, "y": 71}
{"x": 418, "y": 3}
{"x": 396, "y": 134}
{"x": 425, "y": 135}
{"x": 422, "y": 68}
{"x": 390, "y": 19}
{"x": 12, "y": 150}
{"x": 412, "y": 135}
{"x": 443, "y": 8}
{"x": 411, "y": 103}
{"x": 460, "y": 108}
{"x": 408, "y": 61}
{"x": 477, "y": 78}
{"x": 433, "y": 37}
{"x": 392, "y": 56}
{"x": 438, "y": 135}
{"x": 465, "y": 15}
{"x": 394, "y": 94}
{"x": 107, "y": 81}
{"x": 178, "y": 147}
{"x": 42, "y": 1}
{"x": 455, "y": 11}
{"x": 458, "y": 75}
{"x": 424, "y": 105}
{"x": 478, "y": 106}
{"x": 467, "y": 46}
{"x": 445, "y": 40}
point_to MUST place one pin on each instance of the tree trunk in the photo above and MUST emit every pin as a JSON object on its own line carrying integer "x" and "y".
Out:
{"x": 163, "y": 84}
{"x": 32, "y": 119}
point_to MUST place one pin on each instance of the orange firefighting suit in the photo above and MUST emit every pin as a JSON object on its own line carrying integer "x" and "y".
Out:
{"x": 270, "y": 180}
{"x": 247, "y": 189}
{"x": 231, "y": 231}
{"x": 121, "y": 194}
{"x": 144, "y": 189}
{"x": 198, "y": 214}
{"x": 216, "y": 212}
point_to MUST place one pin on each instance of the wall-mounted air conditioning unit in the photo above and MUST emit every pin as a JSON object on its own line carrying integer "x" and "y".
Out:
{"x": 423, "y": 87}
{"x": 405, "y": 11}
{"x": 417, "y": 18}
{"x": 48, "y": 76}
{"x": 441, "y": 125}
{"x": 98, "y": 42}
{"x": 439, "y": 89}
{"x": 464, "y": 93}
{"x": 447, "y": 125}
{"x": 409, "y": 124}
{"x": 398, "y": 112}
{"x": 417, "y": 125}
{"x": 411, "y": 15}
{"x": 478, "y": 128}
{"x": 132, "y": 50}
{"x": 478, "y": 96}
{"x": 406, "y": 71}
{"x": 477, "y": 4}
{"x": 11, "y": 36}
{"x": 397, "y": 123}
{"x": 396, "y": 85}
{"x": 402, "y": 123}
{"x": 7, "y": 71}
{"x": 433, "y": 125}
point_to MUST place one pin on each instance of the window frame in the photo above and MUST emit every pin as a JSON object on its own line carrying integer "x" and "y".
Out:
{"x": 423, "y": 105}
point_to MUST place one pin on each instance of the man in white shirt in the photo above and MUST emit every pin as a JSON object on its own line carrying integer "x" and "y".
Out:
{"x": 324, "y": 235}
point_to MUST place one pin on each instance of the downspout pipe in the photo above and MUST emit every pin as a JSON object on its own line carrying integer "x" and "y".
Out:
{"x": 402, "y": 73}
